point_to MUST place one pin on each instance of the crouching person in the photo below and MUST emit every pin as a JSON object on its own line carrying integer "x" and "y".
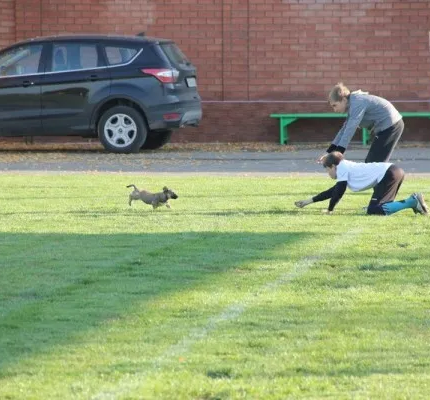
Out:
{"x": 384, "y": 178}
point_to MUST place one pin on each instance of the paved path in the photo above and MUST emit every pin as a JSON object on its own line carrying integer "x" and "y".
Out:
{"x": 412, "y": 160}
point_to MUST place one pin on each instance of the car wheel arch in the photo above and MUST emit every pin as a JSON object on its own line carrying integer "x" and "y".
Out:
{"x": 113, "y": 102}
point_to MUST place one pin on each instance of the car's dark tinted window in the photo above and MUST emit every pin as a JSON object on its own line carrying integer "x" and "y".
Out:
{"x": 74, "y": 56}
{"x": 174, "y": 54}
{"x": 119, "y": 55}
{"x": 21, "y": 60}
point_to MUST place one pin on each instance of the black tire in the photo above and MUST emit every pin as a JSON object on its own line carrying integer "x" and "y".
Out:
{"x": 157, "y": 139}
{"x": 122, "y": 129}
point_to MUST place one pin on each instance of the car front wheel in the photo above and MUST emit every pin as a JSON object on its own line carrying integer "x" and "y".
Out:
{"x": 122, "y": 129}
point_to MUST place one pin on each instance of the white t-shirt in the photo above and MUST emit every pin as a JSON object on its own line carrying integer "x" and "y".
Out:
{"x": 361, "y": 176}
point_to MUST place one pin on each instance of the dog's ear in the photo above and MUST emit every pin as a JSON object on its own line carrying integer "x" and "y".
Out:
{"x": 165, "y": 189}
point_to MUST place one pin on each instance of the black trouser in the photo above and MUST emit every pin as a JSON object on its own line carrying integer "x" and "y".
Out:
{"x": 384, "y": 142}
{"x": 386, "y": 190}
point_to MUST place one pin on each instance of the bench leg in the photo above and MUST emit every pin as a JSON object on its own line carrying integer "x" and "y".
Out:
{"x": 365, "y": 136}
{"x": 283, "y": 132}
{"x": 283, "y": 129}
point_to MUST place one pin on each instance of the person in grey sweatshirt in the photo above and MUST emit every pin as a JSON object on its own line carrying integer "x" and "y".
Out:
{"x": 366, "y": 111}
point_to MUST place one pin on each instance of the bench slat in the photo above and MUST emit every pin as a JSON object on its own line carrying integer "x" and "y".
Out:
{"x": 287, "y": 119}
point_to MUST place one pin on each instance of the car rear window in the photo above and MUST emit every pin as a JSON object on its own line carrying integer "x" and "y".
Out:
{"x": 119, "y": 55}
{"x": 174, "y": 53}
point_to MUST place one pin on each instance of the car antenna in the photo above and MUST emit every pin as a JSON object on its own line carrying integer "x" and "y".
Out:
{"x": 141, "y": 34}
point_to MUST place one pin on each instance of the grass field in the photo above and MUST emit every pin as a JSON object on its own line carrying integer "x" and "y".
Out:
{"x": 232, "y": 294}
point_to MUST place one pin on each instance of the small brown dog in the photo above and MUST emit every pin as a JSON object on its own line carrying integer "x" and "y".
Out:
{"x": 155, "y": 199}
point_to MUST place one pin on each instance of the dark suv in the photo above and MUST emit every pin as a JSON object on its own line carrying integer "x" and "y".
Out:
{"x": 130, "y": 91}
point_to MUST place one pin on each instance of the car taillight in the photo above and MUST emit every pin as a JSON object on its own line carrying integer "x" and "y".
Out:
{"x": 171, "y": 116}
{"x": 165, "y": 75}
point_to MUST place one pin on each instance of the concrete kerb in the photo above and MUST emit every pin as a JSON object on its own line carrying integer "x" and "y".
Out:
{"x": 414, "y": 160}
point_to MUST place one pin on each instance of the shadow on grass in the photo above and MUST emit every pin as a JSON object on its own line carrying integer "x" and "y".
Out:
{"x": 56, "y": 286}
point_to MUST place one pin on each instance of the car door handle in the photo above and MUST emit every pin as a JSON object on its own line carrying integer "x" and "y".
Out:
{"x": 93, "y": 78}
{"x": 27, "y": 83}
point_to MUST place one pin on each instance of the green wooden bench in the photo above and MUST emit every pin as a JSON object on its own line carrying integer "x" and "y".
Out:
{"x": 287, "y": 119}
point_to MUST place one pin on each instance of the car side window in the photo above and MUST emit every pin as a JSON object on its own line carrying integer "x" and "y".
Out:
{"x": 73, "y": 56}
{"x": 22, "y": 60}
{"x": 119, "y": 55}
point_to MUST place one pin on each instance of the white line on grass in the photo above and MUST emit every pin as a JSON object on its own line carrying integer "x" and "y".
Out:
{"x": 230, "y": 313}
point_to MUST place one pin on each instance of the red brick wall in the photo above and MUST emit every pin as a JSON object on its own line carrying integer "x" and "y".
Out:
{"x": 198, "y": 28}
{"x": 7, "y": 22}
{"x": 46, "y": 17}
{"x": 257, "y": 57}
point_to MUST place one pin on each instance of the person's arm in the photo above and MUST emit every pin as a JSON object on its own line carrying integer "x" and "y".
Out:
{"x": 315, "y": 199}
{"x": 327, "y": 194}
{"x": 345, "y": 134}
{"x": 337, "y": 193}
{"x": 355, "y": 116}
{"x": 333, "y": 146}
{"x": 335, "y": 143}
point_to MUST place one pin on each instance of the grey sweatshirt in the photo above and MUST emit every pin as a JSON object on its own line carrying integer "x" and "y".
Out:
{"x": 366, "y": 111}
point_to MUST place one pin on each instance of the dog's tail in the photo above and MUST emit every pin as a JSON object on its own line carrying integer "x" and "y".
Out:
{"x": 135, "y": 188}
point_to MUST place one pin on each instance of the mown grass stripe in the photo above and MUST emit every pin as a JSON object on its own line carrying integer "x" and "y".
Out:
{"x": 229, "y": 314}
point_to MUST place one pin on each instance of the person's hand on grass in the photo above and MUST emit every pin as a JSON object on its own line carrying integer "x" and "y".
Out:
{"x": 303, "y": 203}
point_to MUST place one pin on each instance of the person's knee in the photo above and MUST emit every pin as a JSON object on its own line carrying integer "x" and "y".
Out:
{"x": 375, "y": 210}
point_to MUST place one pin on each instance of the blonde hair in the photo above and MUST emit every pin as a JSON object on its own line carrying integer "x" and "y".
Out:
{"x": 338, "y": 93}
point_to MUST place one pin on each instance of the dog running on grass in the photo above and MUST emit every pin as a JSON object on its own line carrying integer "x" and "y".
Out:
{"x": 155, "y": 199}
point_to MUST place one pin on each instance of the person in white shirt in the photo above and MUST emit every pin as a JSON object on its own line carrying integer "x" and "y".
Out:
{"x": 385, "y": 179}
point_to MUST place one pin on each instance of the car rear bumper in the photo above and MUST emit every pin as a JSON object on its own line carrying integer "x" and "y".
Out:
{"x": 173, "y": 116}
{"x": 191, "y": 117}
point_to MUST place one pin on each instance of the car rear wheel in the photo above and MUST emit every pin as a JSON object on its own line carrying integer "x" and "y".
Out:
{"x": 155, "y": 140}
{"x": 122, "y": 129}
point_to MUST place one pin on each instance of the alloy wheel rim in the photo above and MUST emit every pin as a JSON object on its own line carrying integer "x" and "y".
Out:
{"x": 120, "y": 130}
